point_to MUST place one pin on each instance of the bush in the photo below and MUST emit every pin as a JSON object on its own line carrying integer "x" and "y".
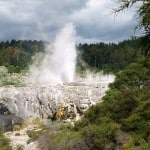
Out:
{"x": 136, "y": 142}
{"x": 138, "y": 121}
{"x": 20, "y": 147}
{"x": 14, "y": 69}
{"x": 17, "y": 134}
{"x": 126, "y": 107}
{"x": 4, "y": 142}
{"x": 34, "y": 135}
{"x": 45, "y": 143}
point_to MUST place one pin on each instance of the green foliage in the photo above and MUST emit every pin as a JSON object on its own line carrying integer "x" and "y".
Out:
{"x": 121, "y": 120}
{"x": 34, "y": 135}
{"x": 17, "y": 134}
{"x": 14, "y": 69}
{"x": 4, "y": 142}
{"x": 16, "y": 55}
{"x": 143, "y": 11}
{"x": 110, "y": 57}
{"x": 55, "y": 135}
{"x": 144, "y": 22}
{"x": 99, "y": 136}
{"x": 125, "y": 106}
{"x": 9, "y": 79}
{"x": 66, "y": 136}
{"x": 136, "y": 142}
{"x": 139, "y": 120}
{"x": 133, "y": 76}
{"x": 111, "y": 94}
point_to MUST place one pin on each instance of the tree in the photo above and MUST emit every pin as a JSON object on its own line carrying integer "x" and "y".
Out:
{"x": 144, "y": 17}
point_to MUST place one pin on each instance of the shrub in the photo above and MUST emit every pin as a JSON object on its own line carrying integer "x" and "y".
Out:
{"x": 17, "y": 134}
{"x": 45, "y": 143}
{"x": 4, "y": 142}
{"x": 34, "y": 135}
{"x": 136, "y": 142}
{"x": 20, "y": 147}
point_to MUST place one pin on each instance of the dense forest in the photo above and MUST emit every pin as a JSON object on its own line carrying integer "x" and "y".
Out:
{"x": 16, "y": 55}
{"x": 111, "y": 57}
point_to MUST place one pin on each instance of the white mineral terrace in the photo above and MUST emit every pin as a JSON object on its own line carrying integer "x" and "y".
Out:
{"x": 43, "y": 100}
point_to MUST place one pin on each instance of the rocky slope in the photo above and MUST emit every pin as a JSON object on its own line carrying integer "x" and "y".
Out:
{"x": 44, "y": 100}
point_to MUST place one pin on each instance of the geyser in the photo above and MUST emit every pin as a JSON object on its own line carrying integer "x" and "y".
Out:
{"x": 58, "y": 62}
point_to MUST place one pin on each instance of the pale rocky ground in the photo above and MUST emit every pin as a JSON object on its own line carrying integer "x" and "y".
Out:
{"x": 44, "y": 100}
{"x": 21, "y": 140}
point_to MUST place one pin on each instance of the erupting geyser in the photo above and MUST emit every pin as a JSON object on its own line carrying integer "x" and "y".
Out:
{"x": 58, "y": 63}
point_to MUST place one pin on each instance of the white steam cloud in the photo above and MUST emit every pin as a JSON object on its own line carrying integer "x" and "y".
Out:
{"x": 92, "y": 77}
{"x": 58, "y": 63}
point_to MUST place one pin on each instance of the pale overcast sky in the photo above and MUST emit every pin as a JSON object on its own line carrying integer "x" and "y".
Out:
{"x": 42, "y": 19}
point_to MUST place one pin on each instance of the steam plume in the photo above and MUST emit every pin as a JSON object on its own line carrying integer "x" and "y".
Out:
{"x": 57, "y": 64}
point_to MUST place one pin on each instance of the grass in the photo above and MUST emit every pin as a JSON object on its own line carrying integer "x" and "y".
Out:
{"x": 4, "y": 142}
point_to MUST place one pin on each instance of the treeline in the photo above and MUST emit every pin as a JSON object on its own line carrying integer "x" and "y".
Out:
{"x": 16, "y": 55}
{"x": 111, "y": 57}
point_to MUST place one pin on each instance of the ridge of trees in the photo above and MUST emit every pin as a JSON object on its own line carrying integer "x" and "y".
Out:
{"x": 16, "y": 55}
{"x": 111, "y": 57}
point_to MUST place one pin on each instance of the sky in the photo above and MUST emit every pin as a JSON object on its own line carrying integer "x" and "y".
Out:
{"x": 94, "y": 20}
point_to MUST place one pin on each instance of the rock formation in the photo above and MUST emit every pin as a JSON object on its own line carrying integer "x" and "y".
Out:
{"x": 46, "y": 101}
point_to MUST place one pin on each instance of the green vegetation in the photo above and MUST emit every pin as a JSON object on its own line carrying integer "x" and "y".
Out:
{"x": 9, "y": 79}
{"x": 4, "y": 142}
{"x": 111, "y": 57}
{"x": 55, "y": 135}
{"x": 143, "y": 13}
{"x": 121, "y": 121}
{"x": 126, "y": 107}
{"x": 16, "y": 55}
{"x": 17, "y": 134}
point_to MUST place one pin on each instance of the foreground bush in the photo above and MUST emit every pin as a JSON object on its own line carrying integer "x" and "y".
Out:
{"x": 4, "y": 142}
